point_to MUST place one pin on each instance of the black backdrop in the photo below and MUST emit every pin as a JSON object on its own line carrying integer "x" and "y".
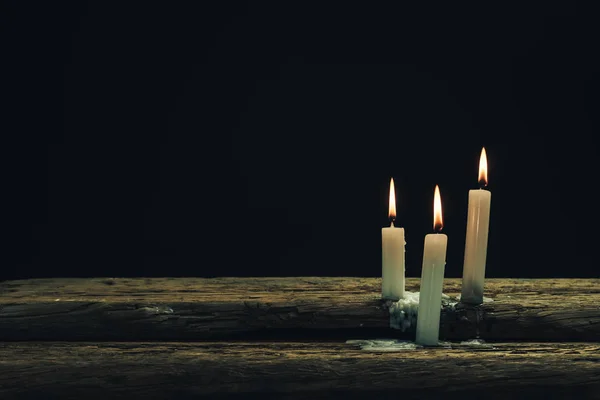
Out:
{"x": 222, "y": 138}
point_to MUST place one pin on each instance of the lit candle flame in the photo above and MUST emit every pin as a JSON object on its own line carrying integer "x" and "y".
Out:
{"x": 437, "y": 210}
{"x": 392, "y": 206}
{"x": 483, "y": 173}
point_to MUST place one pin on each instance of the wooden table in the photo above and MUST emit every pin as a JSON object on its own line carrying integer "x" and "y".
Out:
{"x": 287, "y": 337}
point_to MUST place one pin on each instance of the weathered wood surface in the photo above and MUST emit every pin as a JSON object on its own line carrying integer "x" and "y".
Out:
{"x": 221, "y": 308}
{"x": 164, "y": 370}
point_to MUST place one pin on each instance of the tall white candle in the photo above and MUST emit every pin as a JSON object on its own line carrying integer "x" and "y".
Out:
{"x": 478, "y": 223}
{"x": 392, "y": 260}
{"x": 432, "y": 279}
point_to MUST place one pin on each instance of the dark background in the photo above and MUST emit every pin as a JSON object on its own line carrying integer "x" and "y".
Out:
{"x": 200, "y": 139}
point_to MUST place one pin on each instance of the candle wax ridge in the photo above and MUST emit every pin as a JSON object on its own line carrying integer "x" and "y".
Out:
{"x": 476, "y": 240}
{"x": 392, "y": 263}
{"x": 432, "y": 281}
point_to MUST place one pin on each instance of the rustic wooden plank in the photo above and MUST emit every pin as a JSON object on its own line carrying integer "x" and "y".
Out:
{"x": 162, "y": 370}
{"x": 211, "y": 309}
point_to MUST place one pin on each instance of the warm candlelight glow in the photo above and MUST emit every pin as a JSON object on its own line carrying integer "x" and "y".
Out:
{"x": 392, "y": 207}
{"x": 483, "y": 173}
{"x": 437, "y": 210}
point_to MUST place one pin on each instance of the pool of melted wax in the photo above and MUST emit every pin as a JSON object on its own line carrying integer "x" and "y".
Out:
{"x": 392, "y": 345}
{"x": 476, "y": 343}
{"x": 385, "y": 345}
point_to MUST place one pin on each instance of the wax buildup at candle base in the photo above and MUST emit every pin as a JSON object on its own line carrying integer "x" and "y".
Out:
{"x": 484, "y": 300}
{"x": 404, "y": 312}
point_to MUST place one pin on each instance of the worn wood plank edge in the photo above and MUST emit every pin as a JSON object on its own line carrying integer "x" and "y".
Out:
{"x": 296, "y": 370}
{"x": 230, "y": 308}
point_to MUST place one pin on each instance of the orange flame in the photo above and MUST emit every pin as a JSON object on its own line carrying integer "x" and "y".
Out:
{"x": 392, "y": 204}
{"x": 483, "y": 169}
{"x": 437, "y": 210}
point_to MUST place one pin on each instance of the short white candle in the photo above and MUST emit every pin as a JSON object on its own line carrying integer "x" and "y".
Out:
{"x": 392, "y": 258}
{"x": 432, "y": 279}
{"x": 478, "y": 223}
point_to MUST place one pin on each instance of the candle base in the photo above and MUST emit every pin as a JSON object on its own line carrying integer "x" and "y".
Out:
{"x": 471, "y": 296}
{"x": 472, "y": 300}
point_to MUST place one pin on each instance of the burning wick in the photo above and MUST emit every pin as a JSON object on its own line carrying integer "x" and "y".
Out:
{"x": 483, "y": 175}
{"x": 437, "y": 211}
{"x": 392, "y": 203}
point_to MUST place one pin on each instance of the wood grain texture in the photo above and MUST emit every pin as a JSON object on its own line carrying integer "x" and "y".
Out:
{"x": 220, "y": 308}
{"x": 167, "y": 370}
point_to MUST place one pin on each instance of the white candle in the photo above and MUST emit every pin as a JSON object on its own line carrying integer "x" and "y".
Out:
{"x": 432, "y": 279}
{"x": 478, "y": 223}
{"x": 392, "y": 260}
